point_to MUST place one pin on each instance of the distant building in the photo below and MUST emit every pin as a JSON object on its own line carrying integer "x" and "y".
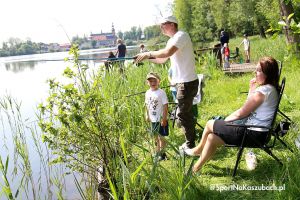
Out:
{"x": 44, "y": 48}
{"x": 65, "y": 47}
{"x": 104, "y": 39}
{"x": 53, "y": 47}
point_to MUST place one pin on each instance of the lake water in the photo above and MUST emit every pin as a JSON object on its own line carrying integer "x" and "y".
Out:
{"x": 24, "y": 79}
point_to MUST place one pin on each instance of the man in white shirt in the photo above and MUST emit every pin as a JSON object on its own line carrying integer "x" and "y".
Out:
{"x": 180, "y": 51}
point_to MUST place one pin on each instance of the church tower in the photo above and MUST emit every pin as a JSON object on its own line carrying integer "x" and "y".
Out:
{"x": 113, "y": 31}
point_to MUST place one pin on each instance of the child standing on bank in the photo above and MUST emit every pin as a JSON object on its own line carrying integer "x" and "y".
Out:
{"x": 226, "y": 55}
{"x": 156, "y": 113}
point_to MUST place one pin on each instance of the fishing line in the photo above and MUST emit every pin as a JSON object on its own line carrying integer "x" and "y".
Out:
{"x": 138, "y": 93}
{"x": 64, "y": 30}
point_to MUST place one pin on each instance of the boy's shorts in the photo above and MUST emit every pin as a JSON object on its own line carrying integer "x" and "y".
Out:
{"x": 156, "y": 128}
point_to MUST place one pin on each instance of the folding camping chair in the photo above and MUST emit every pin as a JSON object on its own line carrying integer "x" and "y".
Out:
{"x": 281, "y": 113}
{"x": 273, "y": 132}
{"x": 197, "y": 100}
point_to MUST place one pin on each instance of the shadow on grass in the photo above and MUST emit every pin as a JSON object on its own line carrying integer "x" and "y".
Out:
{"x": 266, "y": 167}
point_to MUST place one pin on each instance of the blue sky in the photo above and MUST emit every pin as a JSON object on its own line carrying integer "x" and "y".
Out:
{"x": 46, "y": 20}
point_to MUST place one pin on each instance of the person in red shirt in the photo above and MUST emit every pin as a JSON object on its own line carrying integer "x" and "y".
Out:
{"x": 226, "y": 55}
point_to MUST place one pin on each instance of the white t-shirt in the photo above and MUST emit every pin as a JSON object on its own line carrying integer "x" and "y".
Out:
{"x": 263, "y": 115}
{"x": 155, "y": 100}
{"x": 183, "y": 60}
{"x": 143, "y": 50}
{"x": 246, "y": 44}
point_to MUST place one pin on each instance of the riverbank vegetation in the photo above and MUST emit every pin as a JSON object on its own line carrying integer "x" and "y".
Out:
{"x": 95, "y": 129}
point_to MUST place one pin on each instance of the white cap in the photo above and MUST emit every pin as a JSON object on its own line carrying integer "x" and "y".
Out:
{"x": 153, "y": 75}
{"x": 168, "y": 19}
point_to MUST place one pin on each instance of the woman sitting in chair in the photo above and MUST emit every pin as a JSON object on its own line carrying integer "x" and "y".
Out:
{"x": 258, "y": 110}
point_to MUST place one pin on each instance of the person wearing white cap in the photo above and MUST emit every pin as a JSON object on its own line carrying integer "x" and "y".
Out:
{"x": 179, "y": 49}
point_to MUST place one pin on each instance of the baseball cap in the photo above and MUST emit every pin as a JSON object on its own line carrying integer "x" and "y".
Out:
{"x": 170, "y": 18}
{"x": 153, "y": 75}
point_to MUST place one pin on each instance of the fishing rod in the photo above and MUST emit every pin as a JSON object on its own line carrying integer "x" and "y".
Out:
{"x": 86, "y": 59}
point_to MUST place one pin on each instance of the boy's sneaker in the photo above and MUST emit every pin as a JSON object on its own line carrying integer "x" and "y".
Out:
{"x": 251, "y": 160}
{"x": 162, "y": 157}
{"x": 159, "y": 156}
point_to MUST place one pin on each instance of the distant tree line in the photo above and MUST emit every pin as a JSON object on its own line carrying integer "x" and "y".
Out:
{"x": 205, "y": 19}
{"x": 15, "y": 46}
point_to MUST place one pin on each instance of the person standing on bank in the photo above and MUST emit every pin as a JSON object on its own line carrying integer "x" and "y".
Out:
{"x": 246, "y": 43}
{"x": 224, "y": 39}
{"x": 121, "y": 53}
{"x": 143, "y": 48}
{"x": 179, "y": 49}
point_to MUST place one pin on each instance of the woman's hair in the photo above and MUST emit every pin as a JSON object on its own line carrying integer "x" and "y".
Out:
{"x": 269, "y": 67}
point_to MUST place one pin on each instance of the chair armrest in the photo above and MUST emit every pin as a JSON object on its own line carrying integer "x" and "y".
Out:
{"x": 245, "y": 126}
